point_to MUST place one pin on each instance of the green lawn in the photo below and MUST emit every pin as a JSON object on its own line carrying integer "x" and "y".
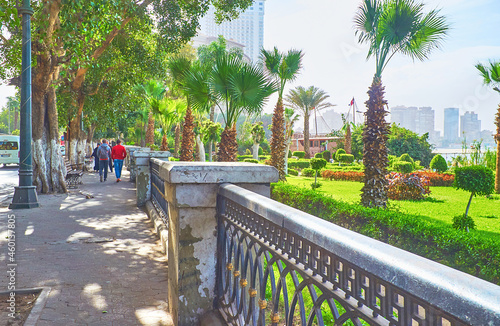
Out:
{"x": 442, "y": 204}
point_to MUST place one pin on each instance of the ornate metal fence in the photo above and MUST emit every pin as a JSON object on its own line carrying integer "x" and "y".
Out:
{"x": 280, "y": 266}
{"x": 158, "y": 192}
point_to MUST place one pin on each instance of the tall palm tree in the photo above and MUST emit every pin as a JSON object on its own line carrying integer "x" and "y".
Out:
{"x": 237, "y": 87}
{"x": 290, "y": 118}
{"x": 169, "y": 112}
{"x": 491, "y": 76}
{"x": 389, "y": 27}
{"x": 153, "y": 91}
{"x": 282, "y": 68}
{"x": 307, "y": 100}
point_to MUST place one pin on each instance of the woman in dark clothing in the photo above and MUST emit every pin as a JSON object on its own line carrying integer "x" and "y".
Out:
{"x": 96, "y": 159}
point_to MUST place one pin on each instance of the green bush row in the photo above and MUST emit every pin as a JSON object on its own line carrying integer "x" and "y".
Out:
{"x": 241, "y": 158}
{"x": 464, "y": 251}
{"x": 298, "y": 164}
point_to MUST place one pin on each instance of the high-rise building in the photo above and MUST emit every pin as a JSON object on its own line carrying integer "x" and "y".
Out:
{"x": 451, "y": 125}
{"x": 247, "y": 29}
{"x": 419, "y": 120}
{"x": 470, "y": 126}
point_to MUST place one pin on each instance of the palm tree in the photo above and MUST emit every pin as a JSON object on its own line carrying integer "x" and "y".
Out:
{"x": 282, "y": 68}
{"x": 153, "y": 91}
{"x": 389, "y": 27}
{"x": 237, "y": 86}
{"x": 491, "y": 76}
{"x": 307, "y": 101}
{"x": 290, "y": 118}
{"x": 169, "y": 112}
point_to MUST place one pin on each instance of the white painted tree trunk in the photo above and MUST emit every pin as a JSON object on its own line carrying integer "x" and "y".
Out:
{"x": 255, "y": 151}
{"x": 287, "y": 150}
{"x": 72, "y": 154}
{"x": 51, "y": 175}
{"x": 201, "y": 148}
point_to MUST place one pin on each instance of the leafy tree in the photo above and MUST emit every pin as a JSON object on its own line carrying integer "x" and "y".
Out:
{"x": 403, "y": 141}
{"x": 306, "y": 101}
{"x": 389, "y": 27}
{"x": 317, "y": 164}
{"x": 71, "y": 36}
{"x": 290, "y": 118}
{"x": 282, "y": 68}
{"x": 476, "y": 179}
{"x": 491, "y": 76}
{"x": 153, "y": 91}
{"x": 438, "y": 163}
{"x": 258, "y": 135}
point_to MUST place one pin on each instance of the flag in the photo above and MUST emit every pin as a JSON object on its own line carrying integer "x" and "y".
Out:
{"x": 352, "y": 102}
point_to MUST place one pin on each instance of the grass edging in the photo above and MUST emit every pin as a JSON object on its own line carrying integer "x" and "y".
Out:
{"x": 457, "y": 249}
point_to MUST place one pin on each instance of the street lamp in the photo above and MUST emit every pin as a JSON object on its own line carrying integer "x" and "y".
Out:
{"x": 25, "y": 195}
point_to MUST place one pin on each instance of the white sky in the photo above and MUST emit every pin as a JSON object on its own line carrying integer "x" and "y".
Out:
{"x": 335, "y": 62}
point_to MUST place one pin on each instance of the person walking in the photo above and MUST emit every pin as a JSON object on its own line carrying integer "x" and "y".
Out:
{"x": 118, "y": 154}
{"x": 96, "y": 159}
{"x": 104, "y": 154}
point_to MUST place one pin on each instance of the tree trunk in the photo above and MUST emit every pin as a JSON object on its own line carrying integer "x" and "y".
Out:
{"x": 348, "y": 140}
{"x": 374, "y": 148}
{"x": 16, "y": 119}
{"x": 90, "y": 137}
{"x": 468, "y": 206}
{"x": 228, "y": 147}
{"x": 48, "y": 165}
{"x": 306, "y": 135}
{"x": 150, "y": 133}
{"x": 210, "y": 143}
{"x": 278, "y": 140}
{"x": 287, "y": 150}
{"x": 164, "y": 143}
{"x": 177, "y": 140}
{"x": 255, "y": 151}
{"x": 201, "y": 149}
{"x": 187, "y": 137}
{"x": 497, "y": 138}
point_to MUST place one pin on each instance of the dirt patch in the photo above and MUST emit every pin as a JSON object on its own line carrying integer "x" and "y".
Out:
{"x": 24, "y": 303}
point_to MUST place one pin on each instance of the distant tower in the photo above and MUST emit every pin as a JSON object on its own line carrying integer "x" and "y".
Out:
{"x": 247, "y": 29}
{"x": 425, "y": 123}
{"x": 451, "y": 125}
{"x": 406, "y": 117}
{"x": 470, "y": 126}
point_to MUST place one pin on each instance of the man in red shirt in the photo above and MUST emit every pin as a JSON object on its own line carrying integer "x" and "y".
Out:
{"x": 118, "y": 153}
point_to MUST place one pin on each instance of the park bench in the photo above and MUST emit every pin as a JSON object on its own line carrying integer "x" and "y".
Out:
{"x": 74, "y": 173}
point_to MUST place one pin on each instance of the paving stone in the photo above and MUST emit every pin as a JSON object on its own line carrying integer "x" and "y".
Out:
{"x": 127, "y": 277}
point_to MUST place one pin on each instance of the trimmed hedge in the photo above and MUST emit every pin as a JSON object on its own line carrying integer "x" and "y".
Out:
{"x": 242, "y": 158}
{"x": 464, "y": 251}
{"x": 298, "y": 164}
{"x": 439, "y": 164}
{"x": 339, "y": 152}
{"x": 299, "y": 154}
{"x": 403, "y": 166}
{"x": 346, "y": 158}
{"x": 327, "y": 155}
{"x": 307, "y": 172}
{"x": 250, "y": 160}
{"x": 343, "y": 175}
{"x": 293, "y": 172}
{"x": 318, "y": 155}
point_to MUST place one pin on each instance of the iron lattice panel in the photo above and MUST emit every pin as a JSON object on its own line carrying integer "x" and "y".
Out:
{"x": 256, "y": 257}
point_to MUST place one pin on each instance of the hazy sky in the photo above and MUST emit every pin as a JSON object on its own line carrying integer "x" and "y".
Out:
{"x": 336, "y": 63}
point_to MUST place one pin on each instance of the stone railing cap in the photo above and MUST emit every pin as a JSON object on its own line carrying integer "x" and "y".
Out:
{"x": 141, "y": 153}
{"x": 216, "y": 172}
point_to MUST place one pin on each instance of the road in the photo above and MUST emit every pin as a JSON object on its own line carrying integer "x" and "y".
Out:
{"x": 9, "y": 178}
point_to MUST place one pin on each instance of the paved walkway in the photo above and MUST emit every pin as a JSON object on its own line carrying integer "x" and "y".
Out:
{"x": 99, "y": 256}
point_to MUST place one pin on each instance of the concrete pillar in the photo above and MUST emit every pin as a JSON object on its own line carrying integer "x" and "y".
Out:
{"x": 143, "y": 174}
{"x": 191, "y": 193}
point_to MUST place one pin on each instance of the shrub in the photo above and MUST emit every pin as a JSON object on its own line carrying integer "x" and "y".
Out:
{"x": 343, "y": 175}
{"x": 402, "y": 166}
{"x": 171, "y": 158}
{"x": 346, "y": 158}
{"x": 407, "y": 186}
{"x": 318, "y": 155}
{"x": 327, "y": 155}
{"x": 300, "y": 164}
{"x": 307, "y": 172}
{"x": 464, "y": 251}
{"x": 250, "y": 160}
{"x": 438, "y": 163}
{"x": 438, "y": 179}
{"x": 463, "y": 223}
{"x": 406, "y": 158}
{"x": 339, "y": 152}
{"x": 316, "y": 185}
{"x": 289, "y": 154}
{"x": 317, "y": 164}
{"x": 477, "y": 179}
{"x": 248, "y": 152}
{"x": 260, "y": 151}
{"x": 293, "y": 172}
{"x": 299, "y": 154}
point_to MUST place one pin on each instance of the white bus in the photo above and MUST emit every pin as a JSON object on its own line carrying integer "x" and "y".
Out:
{"x": 9, "y": 149}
